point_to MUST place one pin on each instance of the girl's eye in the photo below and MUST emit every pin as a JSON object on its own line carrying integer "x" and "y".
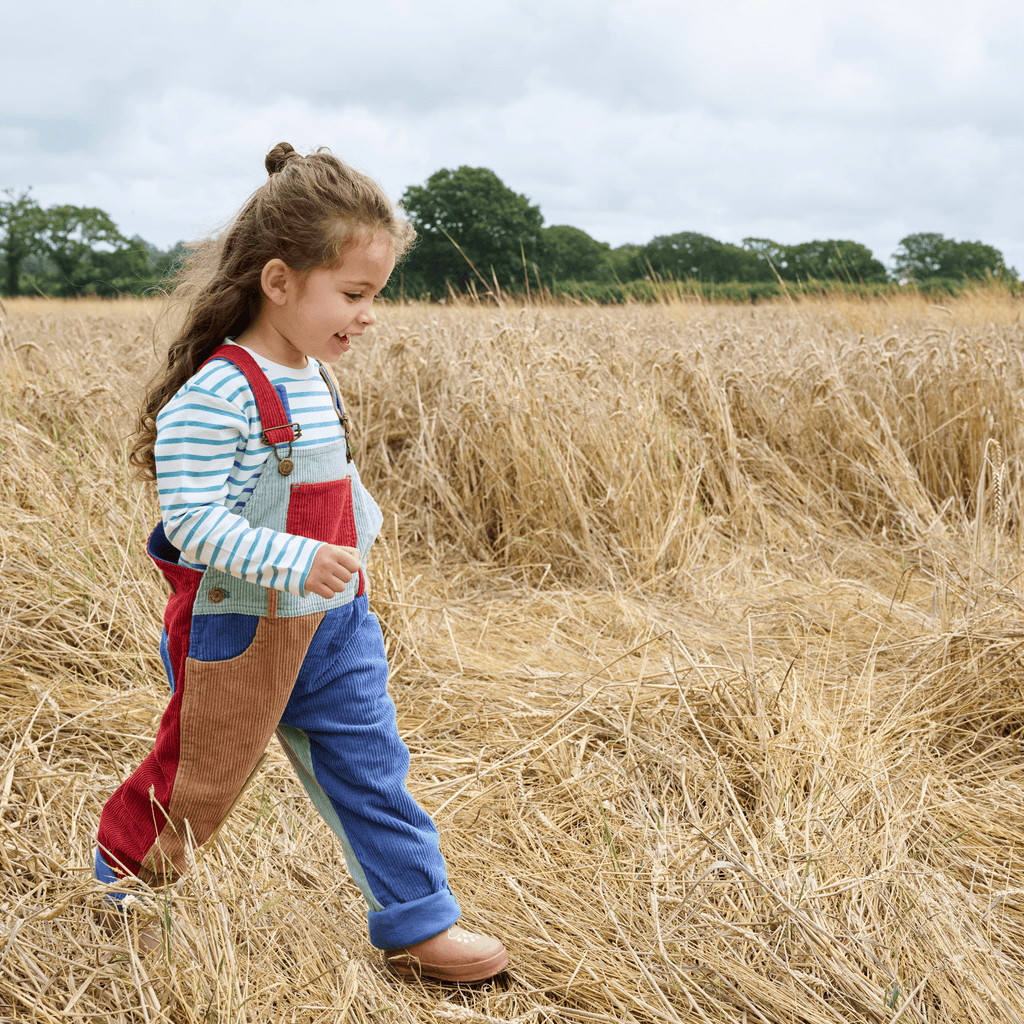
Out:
{"x": 354, "y": 296}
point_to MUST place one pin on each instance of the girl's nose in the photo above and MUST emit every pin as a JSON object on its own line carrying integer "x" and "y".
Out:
{"x": 368, "y": 318}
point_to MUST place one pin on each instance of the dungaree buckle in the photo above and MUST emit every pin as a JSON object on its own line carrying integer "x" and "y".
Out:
{"x": 293, "y": 427}
{"x": 285, "y": 465}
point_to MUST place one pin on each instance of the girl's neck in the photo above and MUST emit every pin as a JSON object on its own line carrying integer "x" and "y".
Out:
{"x": 263, "y": 338}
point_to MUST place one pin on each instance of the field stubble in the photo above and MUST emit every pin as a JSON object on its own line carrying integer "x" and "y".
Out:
{"x": 706, "y": 642}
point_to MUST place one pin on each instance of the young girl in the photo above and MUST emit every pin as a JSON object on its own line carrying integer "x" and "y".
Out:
{"x": 264, "y": 534}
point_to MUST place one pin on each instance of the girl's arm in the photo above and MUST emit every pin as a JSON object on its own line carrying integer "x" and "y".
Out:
{"x": 204, "y": 468}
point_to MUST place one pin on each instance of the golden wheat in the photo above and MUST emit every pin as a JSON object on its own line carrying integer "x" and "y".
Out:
{"x": 706, "y": 641}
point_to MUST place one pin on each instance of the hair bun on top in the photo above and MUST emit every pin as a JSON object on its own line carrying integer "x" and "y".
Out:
{"x": 279, "y": 157}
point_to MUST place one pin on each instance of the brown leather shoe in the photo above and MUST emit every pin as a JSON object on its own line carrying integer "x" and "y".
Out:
{"x": 146, "y": 936}
{"x": 454, "y": 955}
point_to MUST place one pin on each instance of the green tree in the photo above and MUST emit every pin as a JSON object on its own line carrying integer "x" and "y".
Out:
{"x": 772, "y": 258}
{"x": 121, "y": 270}
{"x": 161, "y": 266}
{"x": 570, "y": 254}
{"x": 834, "y": 260}
{"x": 691, "y": 255}
{"x": 975, "y": 261}
{"x": 471, "y": 210}
{"x": 929, "y": 255}
{"x": 21, "y": 221}
{"x": 828, "y": 260}
{"x": 623, "y": 263}
{"x": 86, "y": 249}
{"x": 924, "y": 255}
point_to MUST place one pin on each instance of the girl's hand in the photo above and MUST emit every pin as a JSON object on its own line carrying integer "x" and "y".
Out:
{"x": 333, "y": 566}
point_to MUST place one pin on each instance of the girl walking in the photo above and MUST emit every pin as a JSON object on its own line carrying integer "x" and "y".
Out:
{"x": 263, "y": 538}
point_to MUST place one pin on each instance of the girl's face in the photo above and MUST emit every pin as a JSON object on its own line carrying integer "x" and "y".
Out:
{"x": 319, "y": 313}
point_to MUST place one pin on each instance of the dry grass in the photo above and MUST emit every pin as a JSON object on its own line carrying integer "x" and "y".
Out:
{"x": 706, "y": 640}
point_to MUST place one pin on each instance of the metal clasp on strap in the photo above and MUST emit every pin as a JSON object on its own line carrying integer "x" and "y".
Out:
{"x": 294, "y": 427}
{"x": 285, "y": 465}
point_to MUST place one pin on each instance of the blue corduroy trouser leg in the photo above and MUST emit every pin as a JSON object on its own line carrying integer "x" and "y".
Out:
{"x": 340, "y": 732}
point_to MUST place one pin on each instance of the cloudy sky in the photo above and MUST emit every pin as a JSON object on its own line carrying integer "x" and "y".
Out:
{"x": 786, "y": 119}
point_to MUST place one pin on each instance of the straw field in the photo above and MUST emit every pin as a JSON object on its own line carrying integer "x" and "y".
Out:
{"x": 706, "y": 640}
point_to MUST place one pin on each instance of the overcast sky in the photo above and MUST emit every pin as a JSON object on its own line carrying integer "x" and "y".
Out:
{"x": 787, "y": 119}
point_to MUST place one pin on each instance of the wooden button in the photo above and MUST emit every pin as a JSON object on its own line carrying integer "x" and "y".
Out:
{"x": 285, "y": 466}
{"x": 217, "y": 595}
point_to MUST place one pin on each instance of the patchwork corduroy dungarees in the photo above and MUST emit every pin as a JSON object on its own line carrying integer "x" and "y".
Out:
{"x": 244, "y": 660}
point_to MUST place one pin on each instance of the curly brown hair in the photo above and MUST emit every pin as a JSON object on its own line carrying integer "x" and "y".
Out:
{"x": 308, "y": 213}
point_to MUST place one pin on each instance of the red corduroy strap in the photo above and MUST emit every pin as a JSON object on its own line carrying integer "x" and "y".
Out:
{"x": 268, "y": 401}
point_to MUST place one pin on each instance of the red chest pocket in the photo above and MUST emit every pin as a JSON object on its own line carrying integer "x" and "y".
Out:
{"x": 323, "y": 511}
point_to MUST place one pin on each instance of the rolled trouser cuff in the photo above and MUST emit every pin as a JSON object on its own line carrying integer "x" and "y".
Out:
{"x": 106, "y": 875}
{"x": 405, "y": 924}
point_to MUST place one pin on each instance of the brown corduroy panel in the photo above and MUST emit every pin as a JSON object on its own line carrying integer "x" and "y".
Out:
{"x": 229, "y": 711}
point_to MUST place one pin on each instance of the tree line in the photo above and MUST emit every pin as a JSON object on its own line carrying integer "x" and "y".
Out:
{"x": 74, "y": 250}
{"x": 475, "y": 231}
{"x": 475, "y": 234}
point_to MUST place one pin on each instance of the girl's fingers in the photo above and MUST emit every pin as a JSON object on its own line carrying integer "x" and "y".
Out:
{"x": 334, "y": 584}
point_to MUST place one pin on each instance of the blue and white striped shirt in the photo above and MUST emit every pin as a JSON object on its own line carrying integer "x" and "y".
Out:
{"x": 209, "y": 456}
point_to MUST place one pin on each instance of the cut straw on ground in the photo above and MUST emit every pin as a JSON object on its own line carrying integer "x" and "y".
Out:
{"x": 706, "y": 641}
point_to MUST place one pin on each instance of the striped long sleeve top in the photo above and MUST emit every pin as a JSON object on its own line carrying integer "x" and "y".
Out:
{"x": 209, "y": 456}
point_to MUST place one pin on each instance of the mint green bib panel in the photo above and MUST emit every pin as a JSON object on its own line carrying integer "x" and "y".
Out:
{"x": 220, "y": 593}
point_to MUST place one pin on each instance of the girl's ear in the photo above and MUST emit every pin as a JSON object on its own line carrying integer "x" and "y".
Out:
{"x": 276, "y": 280}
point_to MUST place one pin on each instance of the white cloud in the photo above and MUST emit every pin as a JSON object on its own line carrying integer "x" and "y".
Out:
{"x": 628, "y": 118}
